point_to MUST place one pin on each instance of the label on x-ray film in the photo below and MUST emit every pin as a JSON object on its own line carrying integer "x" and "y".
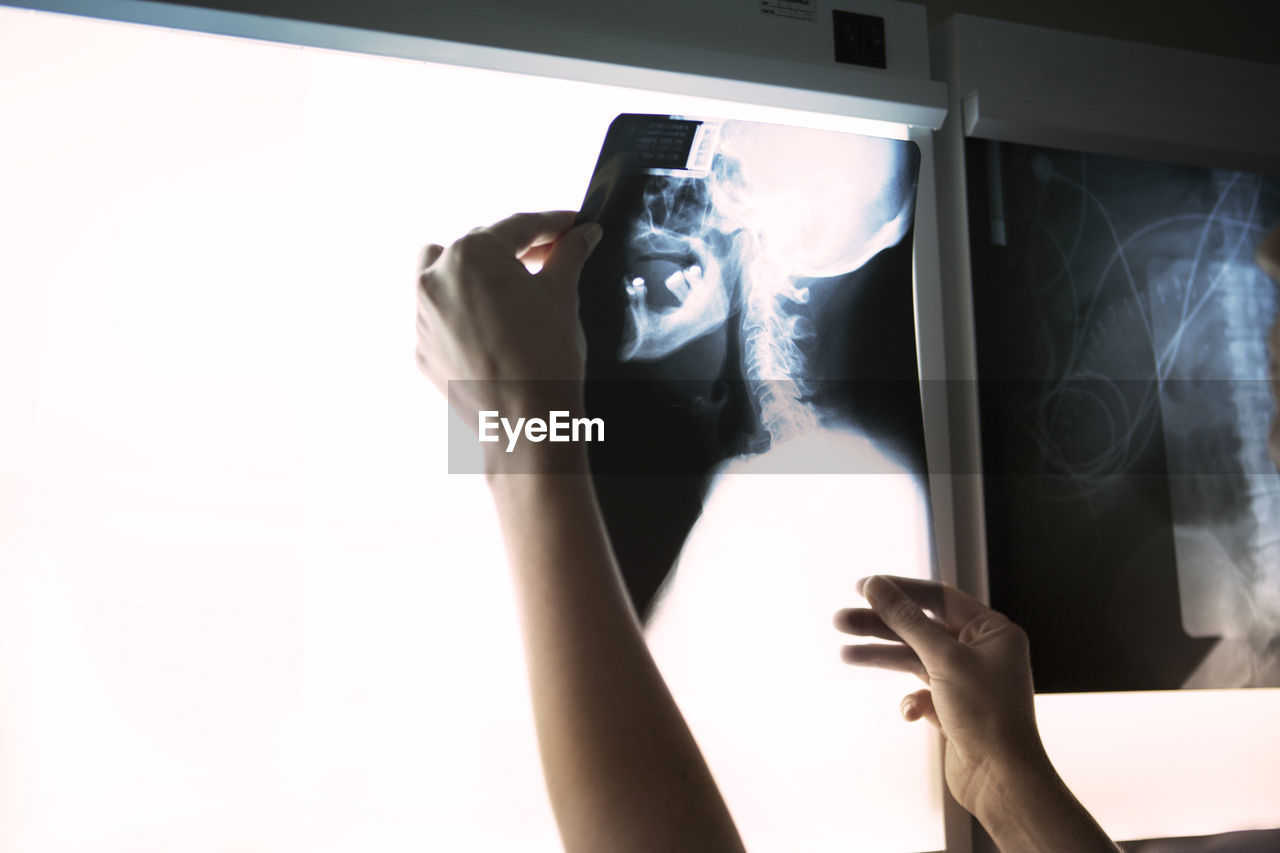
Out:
{"x": 798, "y": 10}
{"x": 659, "y": 143}
{"x": 662, "y": 144}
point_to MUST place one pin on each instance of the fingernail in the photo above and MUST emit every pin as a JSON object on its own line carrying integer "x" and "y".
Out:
{"x": 593, "y": 233}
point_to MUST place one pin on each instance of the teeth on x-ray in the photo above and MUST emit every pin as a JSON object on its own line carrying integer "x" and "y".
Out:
{"x": 678, "y": 285}
{"x": 681, "y": 279}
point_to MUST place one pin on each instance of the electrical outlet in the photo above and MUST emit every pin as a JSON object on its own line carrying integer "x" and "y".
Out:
{"x": 859, "y": 38}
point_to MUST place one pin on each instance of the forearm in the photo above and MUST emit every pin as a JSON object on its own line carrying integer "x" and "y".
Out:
{"x": 622, "y": 769}
{"x": 1031, "y": 809}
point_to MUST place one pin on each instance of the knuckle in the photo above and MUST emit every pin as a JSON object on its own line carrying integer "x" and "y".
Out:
{"x": 468, "y": 247}
{"x": 475, "y": 247}
{"x": 429, "y": 255}
{"x": 431, "y": 288}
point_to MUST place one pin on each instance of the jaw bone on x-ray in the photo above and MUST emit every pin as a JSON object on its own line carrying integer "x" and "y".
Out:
{"x": 753, "y": 288}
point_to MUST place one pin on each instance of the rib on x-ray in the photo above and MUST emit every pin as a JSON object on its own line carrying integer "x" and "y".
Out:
{"x": 1133, "y": 512}
{"x": 753, "y": 287}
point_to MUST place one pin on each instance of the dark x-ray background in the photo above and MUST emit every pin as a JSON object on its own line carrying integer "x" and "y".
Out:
{"x": 1120, "y": 327}
{"x": 671, "y": 422}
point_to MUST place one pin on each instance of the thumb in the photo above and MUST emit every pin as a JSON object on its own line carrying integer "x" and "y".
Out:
{"x": 570, "y": 253}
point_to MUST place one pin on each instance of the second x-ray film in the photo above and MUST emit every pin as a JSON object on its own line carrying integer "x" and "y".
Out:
{"x": 1132, "y": 508}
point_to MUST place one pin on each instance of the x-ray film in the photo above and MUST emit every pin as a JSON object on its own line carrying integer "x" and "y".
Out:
{"x": 753, "y": 290}
{"x": 1133, "y": 512}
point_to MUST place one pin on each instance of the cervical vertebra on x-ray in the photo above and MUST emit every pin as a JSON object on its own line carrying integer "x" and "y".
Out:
{"x": 753, "y": 286}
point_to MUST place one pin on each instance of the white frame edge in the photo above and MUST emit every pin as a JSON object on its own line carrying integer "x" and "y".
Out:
{"x": 487, "y": 42}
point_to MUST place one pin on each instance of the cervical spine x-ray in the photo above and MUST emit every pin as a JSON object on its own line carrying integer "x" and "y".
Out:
{"x": 753, "y": 287}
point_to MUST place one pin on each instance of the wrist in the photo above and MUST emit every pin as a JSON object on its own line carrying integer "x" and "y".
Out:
{"x": 536, "y": 397}
{"x": 536, "y": 428}
{"x": 538, "y": 436}
{"x": 1028, "y": 807}
{"x": 541, "y": 458}
{"x": 1009, "y": 783}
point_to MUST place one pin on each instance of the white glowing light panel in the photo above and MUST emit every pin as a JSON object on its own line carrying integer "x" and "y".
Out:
{"x": 242, "y": 606}
{"x": 1163, "y": 764}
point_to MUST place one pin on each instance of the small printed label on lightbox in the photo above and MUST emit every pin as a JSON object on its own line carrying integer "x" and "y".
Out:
{"x": 797, "y": 10}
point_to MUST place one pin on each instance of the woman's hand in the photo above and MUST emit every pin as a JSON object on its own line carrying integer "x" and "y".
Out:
{"x": 623, "y": 772}
{"x": 483, "y": 317}
{"x": 978, "y": 668}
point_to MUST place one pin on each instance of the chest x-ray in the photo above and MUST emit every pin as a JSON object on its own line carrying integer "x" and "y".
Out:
{"x": 753, "y": 290}
{"x": 1134, "y": 514}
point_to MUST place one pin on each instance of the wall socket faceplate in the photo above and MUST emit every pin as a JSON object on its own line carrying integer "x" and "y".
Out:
{"x": 859, "y": 38}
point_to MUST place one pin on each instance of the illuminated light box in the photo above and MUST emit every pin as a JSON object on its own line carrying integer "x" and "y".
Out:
{"x": 1049, "y": 206}
{"x": 242, "y": 604}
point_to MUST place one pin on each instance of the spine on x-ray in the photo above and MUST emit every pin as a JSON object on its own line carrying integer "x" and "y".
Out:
{"x": 773, "y": 361}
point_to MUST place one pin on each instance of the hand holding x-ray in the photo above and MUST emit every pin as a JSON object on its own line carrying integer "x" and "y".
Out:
{"x": 975, "y": 662}
{"x": 980, "y": 697}
{"x": 482, "y": 316}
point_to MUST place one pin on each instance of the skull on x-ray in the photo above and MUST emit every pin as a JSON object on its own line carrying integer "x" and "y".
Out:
{"x": 767, "y": 214}
{"x": 778, "y": 205}
{"x": 675, "y": 279}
